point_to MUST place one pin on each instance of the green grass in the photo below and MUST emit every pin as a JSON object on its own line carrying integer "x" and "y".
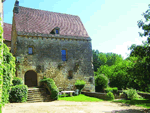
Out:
{"x": 137, "y": 102}
{"x": 80, "y": 98}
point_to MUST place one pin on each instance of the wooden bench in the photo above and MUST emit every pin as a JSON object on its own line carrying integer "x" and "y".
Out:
{"x": 70, "y": 92}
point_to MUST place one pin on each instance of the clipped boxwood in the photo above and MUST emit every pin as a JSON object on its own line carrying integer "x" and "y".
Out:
{"x": 110, "y": 96}
{"x": 52, "y": 87}
{"x": 17, "y": 81}
{"x": 108, "y": 89}
{"x": 101, "y": 82}
{"x": 79, "y": 84}
{"x": 18, "y": 93}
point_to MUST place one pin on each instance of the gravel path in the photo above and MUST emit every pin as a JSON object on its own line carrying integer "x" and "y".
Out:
{"x": 69, "y": 107}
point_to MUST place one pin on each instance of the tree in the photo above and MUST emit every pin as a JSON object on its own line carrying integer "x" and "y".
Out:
{"x": 145, "y": 25}
{"x": 141, "y": 70}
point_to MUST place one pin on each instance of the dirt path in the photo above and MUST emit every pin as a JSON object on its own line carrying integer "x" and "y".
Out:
{"x": 68, "y": 107}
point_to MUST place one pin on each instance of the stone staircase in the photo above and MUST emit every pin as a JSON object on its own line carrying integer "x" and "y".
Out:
{"x": 37, "y": 95}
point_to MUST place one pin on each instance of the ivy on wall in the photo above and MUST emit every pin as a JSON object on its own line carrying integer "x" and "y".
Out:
{"x": 1, "y": 64}
{"x": 8, "y": 73}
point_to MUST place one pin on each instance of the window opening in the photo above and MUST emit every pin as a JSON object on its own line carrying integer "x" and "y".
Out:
{"x": 30, "y": 50}
{"x": 57, "y": 31}
{"x": 63, "y": 53}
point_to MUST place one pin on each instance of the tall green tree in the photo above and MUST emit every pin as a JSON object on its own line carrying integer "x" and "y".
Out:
{"x": 141, "y": 70}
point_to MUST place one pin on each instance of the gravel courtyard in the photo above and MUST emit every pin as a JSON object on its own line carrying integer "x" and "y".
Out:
{"x": 62, "y": 106}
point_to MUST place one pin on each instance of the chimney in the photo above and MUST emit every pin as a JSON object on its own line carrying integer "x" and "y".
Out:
{"x": 16, "y": 7}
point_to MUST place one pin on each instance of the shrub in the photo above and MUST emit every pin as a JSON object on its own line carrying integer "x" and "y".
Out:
{"x": 108, "y": 89}
{"x": 131, "y": 94}
{"x": 18, "y": 93}
{"x": 101, "y": 81}
{"x": 17, "y": 81}
{"x": 79, "y": 84}
{"x": 115, "y": 89}
{"x": 110, "y": 96}
{"x": 50, "y": 84}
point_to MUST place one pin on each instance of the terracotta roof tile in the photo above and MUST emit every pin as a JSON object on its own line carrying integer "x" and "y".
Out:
{"x": 7, "y": 31}
{"x": 39, "y": 21}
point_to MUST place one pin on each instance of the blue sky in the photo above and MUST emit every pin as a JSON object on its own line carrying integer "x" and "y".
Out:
{"x": 111, "y": 24}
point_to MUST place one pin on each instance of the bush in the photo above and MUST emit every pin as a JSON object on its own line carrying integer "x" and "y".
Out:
{"x": 115, "y": 89}
{"x": 51, "y": 86}
{"x": 110, "y": 96}
{"x": 101, "y": 81}
{"x": 131, "y": 94}
{"x": 108, "y": 89}
{"x": 79, "y": 84}
{"x": 18, "y": 93}
{"x": 17, "y": 81}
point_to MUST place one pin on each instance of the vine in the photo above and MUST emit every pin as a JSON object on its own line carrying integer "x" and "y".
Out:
{"x": 1, "y": 64}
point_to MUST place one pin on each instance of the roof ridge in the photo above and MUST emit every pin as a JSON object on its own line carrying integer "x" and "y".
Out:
{"x": 49, "y": 11}
{"x": 7, "y": 23}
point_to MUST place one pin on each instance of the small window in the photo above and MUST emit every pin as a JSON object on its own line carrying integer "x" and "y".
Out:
{"x": 30, "y": 50}
{"x": 57, "y": 31}
{"x": 63, "y": 55}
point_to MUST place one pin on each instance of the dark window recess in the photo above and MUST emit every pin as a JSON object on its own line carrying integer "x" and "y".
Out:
{"x": 30, "y": 50}
{"x": 52, "y": 32}
{"x": 63, "y": 55}
{"x": 70, "y": 76}
{"x": 57, "y": 32}
{"x": 91, "y": 79}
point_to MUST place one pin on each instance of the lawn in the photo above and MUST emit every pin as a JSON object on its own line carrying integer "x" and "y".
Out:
{"x": 137, "y": 102}
{"x": 80, "y": 98}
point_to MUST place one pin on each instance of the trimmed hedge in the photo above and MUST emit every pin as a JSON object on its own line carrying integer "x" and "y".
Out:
{"x": 79, "y": 84}
{"x": 101, "y": 82}
{"x": 18, "y": 93}
{"x": 52, "y": 87}
{"x": 17, "y": 81}
{"x": 110, "y": 96}
{"x": 113, "y": 90}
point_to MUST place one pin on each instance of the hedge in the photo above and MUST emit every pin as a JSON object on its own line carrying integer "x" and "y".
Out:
{"x": 79, "y": 84}
{"x": 51, "y": 87}
{"x": 18, "y": 93}
{"x": 17, "y": 81}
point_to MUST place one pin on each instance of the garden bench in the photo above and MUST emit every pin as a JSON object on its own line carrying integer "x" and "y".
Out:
{"x": 70, "y": 92}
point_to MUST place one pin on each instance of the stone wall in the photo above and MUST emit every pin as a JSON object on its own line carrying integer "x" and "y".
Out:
{"x": 46, "y": 60}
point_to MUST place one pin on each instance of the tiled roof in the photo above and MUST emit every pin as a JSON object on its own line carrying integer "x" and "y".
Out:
{"x": 7, "y": 31}
{"x": 30, "y": 20}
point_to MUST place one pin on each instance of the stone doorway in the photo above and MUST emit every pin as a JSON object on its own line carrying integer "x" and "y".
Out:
{"x": 30, "y": 78}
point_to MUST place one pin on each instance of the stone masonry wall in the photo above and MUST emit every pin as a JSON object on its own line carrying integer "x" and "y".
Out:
{"x": 46, "y": 60}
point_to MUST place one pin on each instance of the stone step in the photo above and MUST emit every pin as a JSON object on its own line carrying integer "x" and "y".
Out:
{"x": 37, "y": 95}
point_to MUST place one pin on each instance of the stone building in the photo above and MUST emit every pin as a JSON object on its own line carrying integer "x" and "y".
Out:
{"x": 53, "y": 45}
